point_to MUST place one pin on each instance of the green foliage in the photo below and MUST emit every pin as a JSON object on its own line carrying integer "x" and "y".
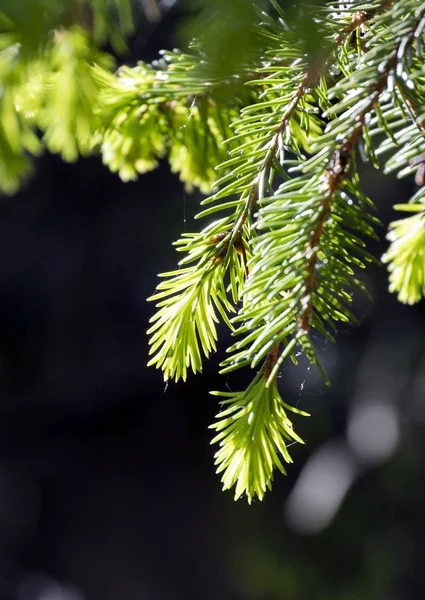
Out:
{"x": 47, "y": 52}
{"x": 189, "y": 299}
{"x": 290, "y": 193}
{"x": 269, "y": 112}
{"x": 168, "y": 109}
{"x": 17, "y": 136}
{"x": 253, "y": 430}
{"x": 69, "y": 90}
{"x": 406, "y": 255}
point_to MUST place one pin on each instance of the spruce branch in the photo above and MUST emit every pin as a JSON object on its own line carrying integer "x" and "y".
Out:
{"x": 167, "y": 109}
{"x": 190, "y": 300}
{"x": 279, "y": 336}
{"x": 338, "y": 167}
{"x": 308, "y": 234}
{"x": 234, "y": 227}
{"x": 273, "y": 325}
{"x": 286, "y": 222}
{"x": 256, "y": 191}
{"x": 334, "y": 176}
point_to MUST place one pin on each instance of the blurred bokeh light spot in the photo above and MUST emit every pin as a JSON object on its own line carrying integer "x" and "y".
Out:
{"x": 373, "y": 430}
{"x": 320, "y": 489}
{"x": 38, "y": 586}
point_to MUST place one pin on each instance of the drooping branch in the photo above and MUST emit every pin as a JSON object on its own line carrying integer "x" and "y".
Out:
{"x": 338, "y": 170}
{"x": 315, "y": 70}
{"x": 335, "y": 172}
{"x": 307, "y": 235}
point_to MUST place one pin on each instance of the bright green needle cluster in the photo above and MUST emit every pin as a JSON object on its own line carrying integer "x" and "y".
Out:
{"x": 166, "y": 110}
{"x": 406, "y": 255}
{"x": 69, "y": 89}
{"x": 253, "y": 430}
{"x": 190, "y": 302}
{"x": 273, "y": 128}
{"x": 17, "y": 136}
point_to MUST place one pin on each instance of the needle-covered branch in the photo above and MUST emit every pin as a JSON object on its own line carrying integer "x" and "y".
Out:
{"x": 296, "y": 200}
{"x": 274, "y": 135}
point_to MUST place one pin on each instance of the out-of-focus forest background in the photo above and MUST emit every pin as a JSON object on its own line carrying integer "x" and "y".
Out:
{"x": 107, "y": 485}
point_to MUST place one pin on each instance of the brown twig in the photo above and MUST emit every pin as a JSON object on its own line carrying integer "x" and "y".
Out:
{"x": 359, "y": 19}
{"x": 271, "y": 359}
{"x": 314, "y": 72}
{"x": 253, "y": 195}
{"x": 335, "y": 174}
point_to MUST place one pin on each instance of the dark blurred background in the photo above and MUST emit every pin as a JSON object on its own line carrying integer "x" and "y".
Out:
{"x": 107, "y": 485}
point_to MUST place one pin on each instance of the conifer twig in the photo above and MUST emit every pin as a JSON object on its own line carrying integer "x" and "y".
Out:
{"x": 337, "y": 171}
